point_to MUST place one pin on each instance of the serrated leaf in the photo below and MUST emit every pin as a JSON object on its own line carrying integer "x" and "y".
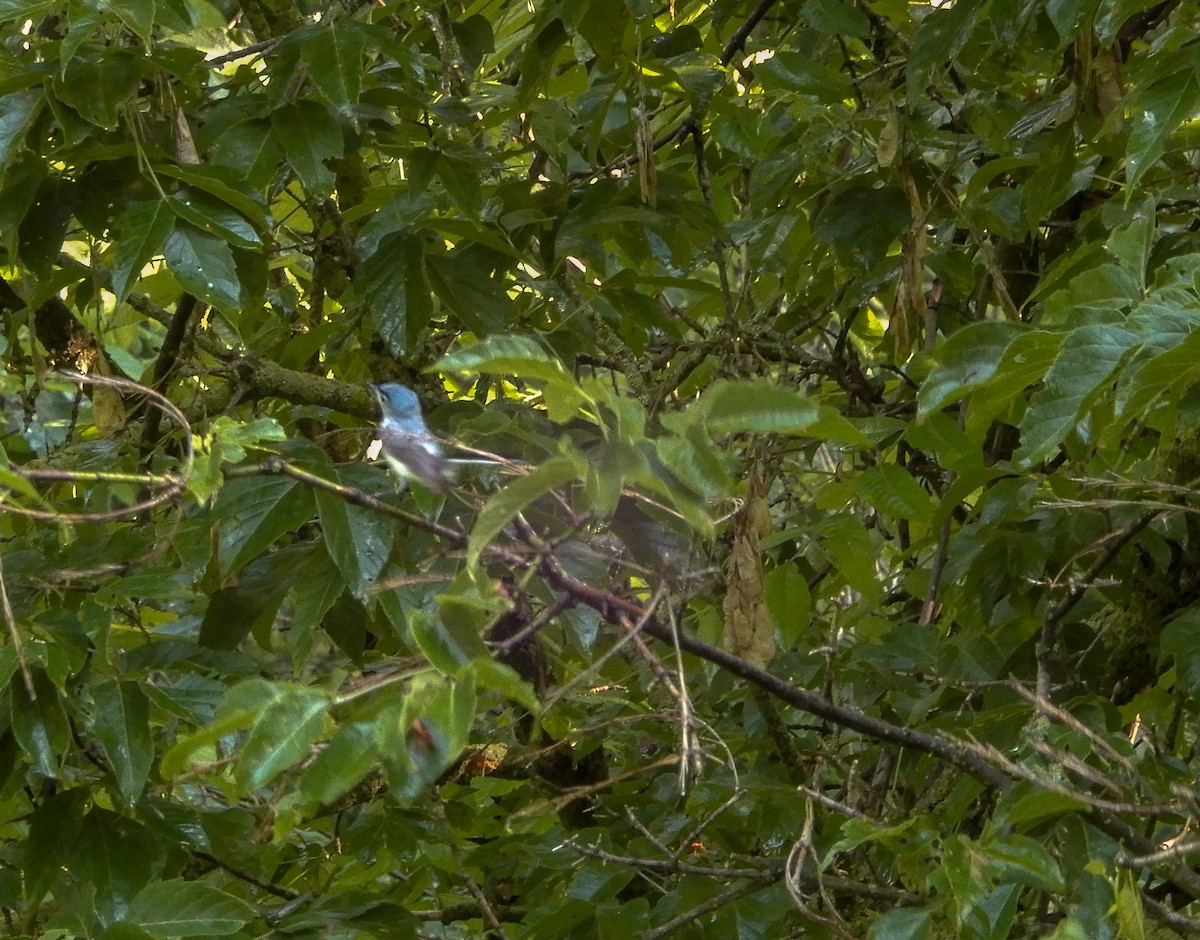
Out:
{"x": 178, "y": 908}
{"x": 1170, "y": 370}
{"x": 1086, "y": 360}
{"x": 893, "y": 490}
{"x": 965, "y": 361}
{"x": 309, "y": 137}
{"x": 521, "y": 357}
{"x": 334, "y": 58}
{"x": 142, "y": 230}
{"x": 503, "y": 505}
{"x": 756, "y": 408}
{"x": 282, "y": 736}
{"x": 253, "y": 513}
{"x": 122, "y": 725}
{"x": 1157, "y": 113}
{"x": 849, "y": 548}
{"x": 392, "y": 284}
{"x": 203, "y": 265}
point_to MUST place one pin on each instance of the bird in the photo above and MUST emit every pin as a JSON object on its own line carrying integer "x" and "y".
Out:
{"x": 406, "y": 442}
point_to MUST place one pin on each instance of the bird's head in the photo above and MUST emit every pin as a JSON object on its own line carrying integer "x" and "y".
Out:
{"x": 397, "y": 401}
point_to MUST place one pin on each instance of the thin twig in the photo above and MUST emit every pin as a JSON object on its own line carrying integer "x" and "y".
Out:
{"x": 14, "y": 634}
{"x": 476, "y": 892}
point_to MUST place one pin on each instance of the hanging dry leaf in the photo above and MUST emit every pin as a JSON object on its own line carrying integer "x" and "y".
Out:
{"x": 749, "y": 629}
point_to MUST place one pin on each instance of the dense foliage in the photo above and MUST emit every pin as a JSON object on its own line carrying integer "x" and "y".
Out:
{"x": 828, "y": 564}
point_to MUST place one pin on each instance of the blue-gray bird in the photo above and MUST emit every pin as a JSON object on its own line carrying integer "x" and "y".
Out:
{"x": 407, "y": 445}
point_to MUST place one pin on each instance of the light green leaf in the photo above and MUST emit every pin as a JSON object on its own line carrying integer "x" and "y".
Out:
{"x": 178, "y": 908}
{"x": 756, "y": 408}
{"x": 1157, "y": 113}
{"x": 849, "y": 547}
{"x": 893, "y": 490}
{"x": 503, "y": 505}
{"x": 521, "y": 357}
{"x": 497, "y": 677}
{"x": 965, "y": 361}
{"x": 351, "y": 754}
{"x": 282, "y": 736}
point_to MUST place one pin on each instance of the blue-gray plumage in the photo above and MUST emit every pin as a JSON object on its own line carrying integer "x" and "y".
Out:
{"x": 407, "y": 445}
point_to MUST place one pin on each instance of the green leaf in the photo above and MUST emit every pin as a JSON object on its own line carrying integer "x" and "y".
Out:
{"x": 893, "y": 490}
{"x": 226, "y": 184}
{"x": 1169, "y": 371}
{"x": 40, "y": 725}
{"x": 215, "y": 218}
{"x": 849, "y": 548}
{"x": 99, "y": 86}
{"x": 691, "y": 457}
{"x": 392, "y": 285}
{"x": 117, "y": 857}
{"x": 789, "y": 600}
{"x": 864, "y": 221}
{"x": 801, "y": 73}
{"x": 203, "y": 265}
{"x": 965, "y": 361}
{"x": 1086, "y": 360}
{"x": 903, "y": 923}
{"x": 1157, "y": 111}
{"x": 1025, "y": 861}
{"x": 309, "y": 137}
{"x": 334, "y": 59}
{"x": 282, "y": 735}
{"x": 138, "y": 15}
{"x": 253, "y": 513}
{"x": 142, "y": 230}
{"x": 521, "y": 357}
{"x": 502, "y": 506}
{"x": 1180, "y": 640}
{"x": 17, "y": 113}
{"x": 122, "y": 724}
{"x": 497, "y": 677}
{"x": 756, "y": 408}
{"x": 443, "y": 641}
{"x": 178, "y": 908}
{"x": 350, "y": 755}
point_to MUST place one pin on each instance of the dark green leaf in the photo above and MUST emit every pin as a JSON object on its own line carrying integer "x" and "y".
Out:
{"x": 310, "y": 137}
{"x": 142, "y": 230}
{"x": 203, "y": 265}
{"x": 122, "y": 724}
